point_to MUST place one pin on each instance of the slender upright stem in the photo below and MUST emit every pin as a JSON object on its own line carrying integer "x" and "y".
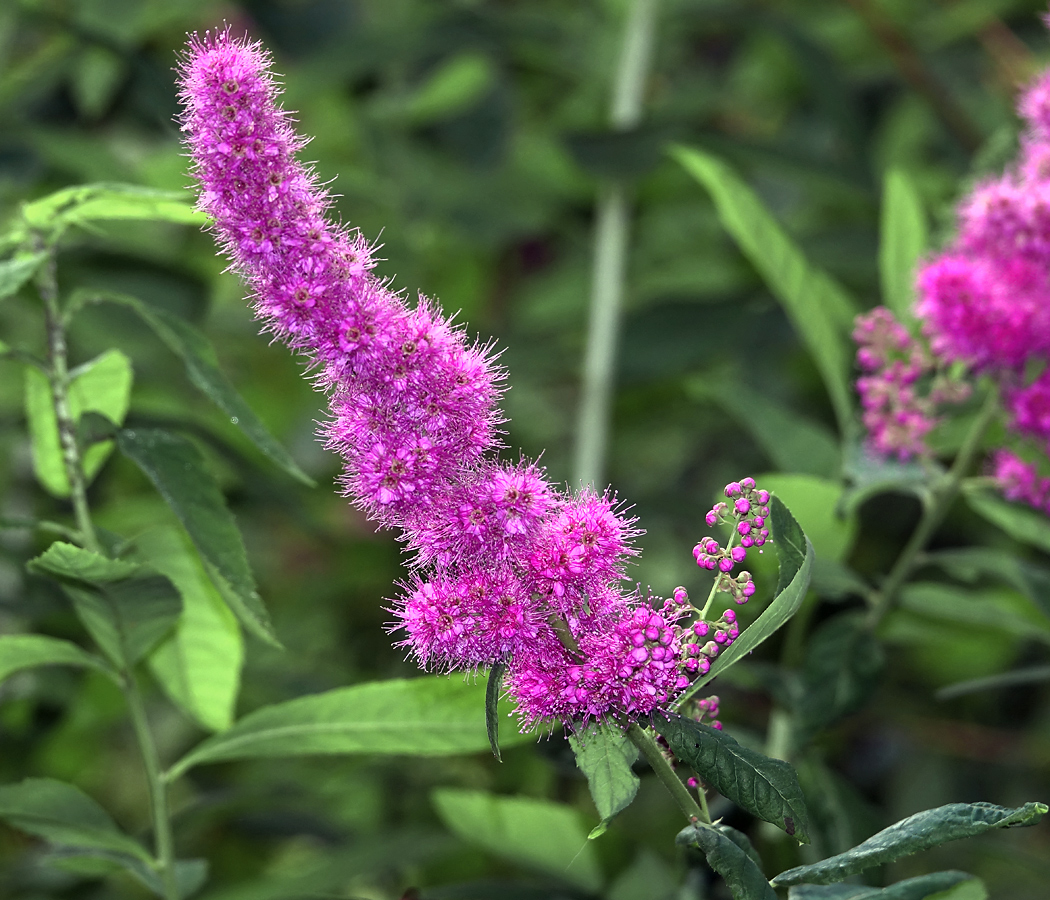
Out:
{"x": 58, "y": 375}
{"x": 944, "y": 494}
{"x": 158, "y": 798}
{"x": 643, "y": 740}
{"x": 612, "y": 235}
{"x": 718, "y": 577}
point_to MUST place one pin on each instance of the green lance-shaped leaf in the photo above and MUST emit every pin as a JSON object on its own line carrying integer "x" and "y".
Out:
{"x": 125, "y": 607}
{"x": 910, "y": 889}
{"x": 729, "y": 859}
{"x": 765, "y": 787}
{"x": 1020, "y": 522}
{"x": 795, "y": 562}
{"x": 199, "y": 665}
{"x": 492, "y": 689}
{"x": 902, "y": 241}
{"x": 428, "y": 716}
{"x": 102, "y": 386}
{"x": 190, "y": 874}
{"x": 604, "y": 754}
{"x": 26, "y": 651}
{"x": 841, "y": 671}
{"x": 969, "y": 563}
{"x": 203, "y": 370}
{"x": 535, "y": 833}
{"x": 17, "y": 270}
{"x": 918, "y": 832}
{"x": 177, "y": 470}
{"x": 819, "y": 308}
{"x": 64, "y": 815}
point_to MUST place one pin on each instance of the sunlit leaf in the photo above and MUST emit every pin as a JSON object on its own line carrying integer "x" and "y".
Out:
{"x": 902, "y": 241}
{"x": 604, "y": 754}
{"x": 17, "y": 270}
{"x": 26, "y": 651}
{"x": 911, "y": 835}
{"x": 535, "y": 833}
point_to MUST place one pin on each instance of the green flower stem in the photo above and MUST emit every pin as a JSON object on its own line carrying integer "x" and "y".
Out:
{"x": 718, "y": 577}
{"x": 944, "y": 494}
{"x": 644, "y": 741}
{"x": 58, "y": 376}
{"x": 612, "y": 235}
{"x": 158, "y": 798}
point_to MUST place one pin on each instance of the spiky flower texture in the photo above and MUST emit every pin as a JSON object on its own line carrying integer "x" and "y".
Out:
{"x": 505, "y": 566}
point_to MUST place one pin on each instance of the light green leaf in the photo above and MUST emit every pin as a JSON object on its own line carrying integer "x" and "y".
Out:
{"x": 64, "y": 815}
{"x": 903, "y": 240}
{"x": 177, "y": 470}
{"x": 918, "y": 832}
{"x": 190, "y": 874}
{"x": 17, "y": 270}
{"x": 1020, "y": 522}
{"x": 740, "y": 872}
{"x": 126, "y": 608}
{"x": 795, "y": 561}
{"x": 454, "y": 86}
{"x": 199, "y": 666}
{"x": 203, "y": 370}
{"x": 534, "y": 833}
{"x": 842, "y": 668}
{"x": 103, "y": 386}
{"x": 604, "y": 754}
{"x": 973, "y": 889}
{"x": 814, "y": 502}
{"x": 910, "y": 889}
{"x": 819, "y": 308}
{"x": 765, "y": 787}
{"x": 25, "y": 651}
{"x": 427, "y": 716}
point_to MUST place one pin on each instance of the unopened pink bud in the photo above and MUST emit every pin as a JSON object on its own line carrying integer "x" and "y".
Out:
{"x": 763, "y": 497}
{"x": 725, "y": 564}
{"x": 720, "y": 637}
{"x": 742, "y": 506}
{"x": 747, "y": 484}
{"x": 680, "y": 595}
{"x": 758, "y": 521}
{"x": 739, "y": 554}
{"x": 729, "y": 615}
{"x": 700, "y": 629}
{"x": 733, "y": 489}
{"x": 711, "y": 518}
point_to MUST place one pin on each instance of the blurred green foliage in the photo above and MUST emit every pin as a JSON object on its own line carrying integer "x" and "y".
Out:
{"x": 468, "y": 137}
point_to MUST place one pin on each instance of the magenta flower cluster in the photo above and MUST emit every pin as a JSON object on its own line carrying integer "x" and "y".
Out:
{"x": 984, "y": 306}
{"x": 506, "y": 567}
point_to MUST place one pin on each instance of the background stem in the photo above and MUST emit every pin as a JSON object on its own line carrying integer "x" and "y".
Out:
{"x": 612, "y": 235}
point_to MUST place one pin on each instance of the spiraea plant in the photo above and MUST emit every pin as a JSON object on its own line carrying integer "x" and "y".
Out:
{"x": 517, "y": 590}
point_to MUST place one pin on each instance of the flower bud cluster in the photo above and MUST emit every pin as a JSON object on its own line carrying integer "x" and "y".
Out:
{"x": 746, "y": 512}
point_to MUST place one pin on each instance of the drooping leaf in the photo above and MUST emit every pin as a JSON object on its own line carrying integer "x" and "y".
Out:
{"x": 177, "y": 470}
{"x": 17, "y": 270}
{"x": 535, "y": 833}
{"x": 492, "y": 689}
{"x": 765, "y": 787}
{"x": 902, "y": 241}
{"x": 843, "y": 663}
{"x": 25, "y": 651}
{"x": 910, "y": 889}
{"x": 190, "y": 874}
{"x": 604, "y": 754}
{"x": 795, "y": 562}
{"x": 427, "y": 716}
{"x": 921, "y": 831}
{"x": 126, "y": 608}
{"x": 103, "y": 386}
{"x": 1026, "y": 675}
{"x": 64, "y": 815}
{"x": 203, "y": 370}
{"x": 819, "y": 308}
{"x": 1020, "y": 522}
{"x": 199, "y": 665}
{"x": 969, "y": 563}
{"x": 997, "y": 609}
{"x": 869, "y": 475}
{"x": 742, "y": 876}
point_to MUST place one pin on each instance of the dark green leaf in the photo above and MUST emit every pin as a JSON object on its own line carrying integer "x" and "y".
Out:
{"x": 492, "y": 689}
{"x": 427, "y": 716}
{"x": 17, "y": 270}
{"x": 1028, "y": 675}
{"x": 177, "y": 470}
{"x": 742, "y": 876}
{"x": 64, "y": 815}
{"x": 918, "y": 832}
{"x": 902, "y": 242}
{"x": 765, "y": 787}
{"x": 819, "y": 308}
{"x": 126, "y": 608}
{"x": 1020, "y": 522}
{"x": 843, "y": 663}
{"x": 909, "y": 889}
{"x": 536, "y": 833}
{"x": 24, "y": 651}
{"x": 604, "y": 754}
{"x": 190, "y": 874}
{"x": 795, "y": 561}
{"x": 203, "y": 370}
